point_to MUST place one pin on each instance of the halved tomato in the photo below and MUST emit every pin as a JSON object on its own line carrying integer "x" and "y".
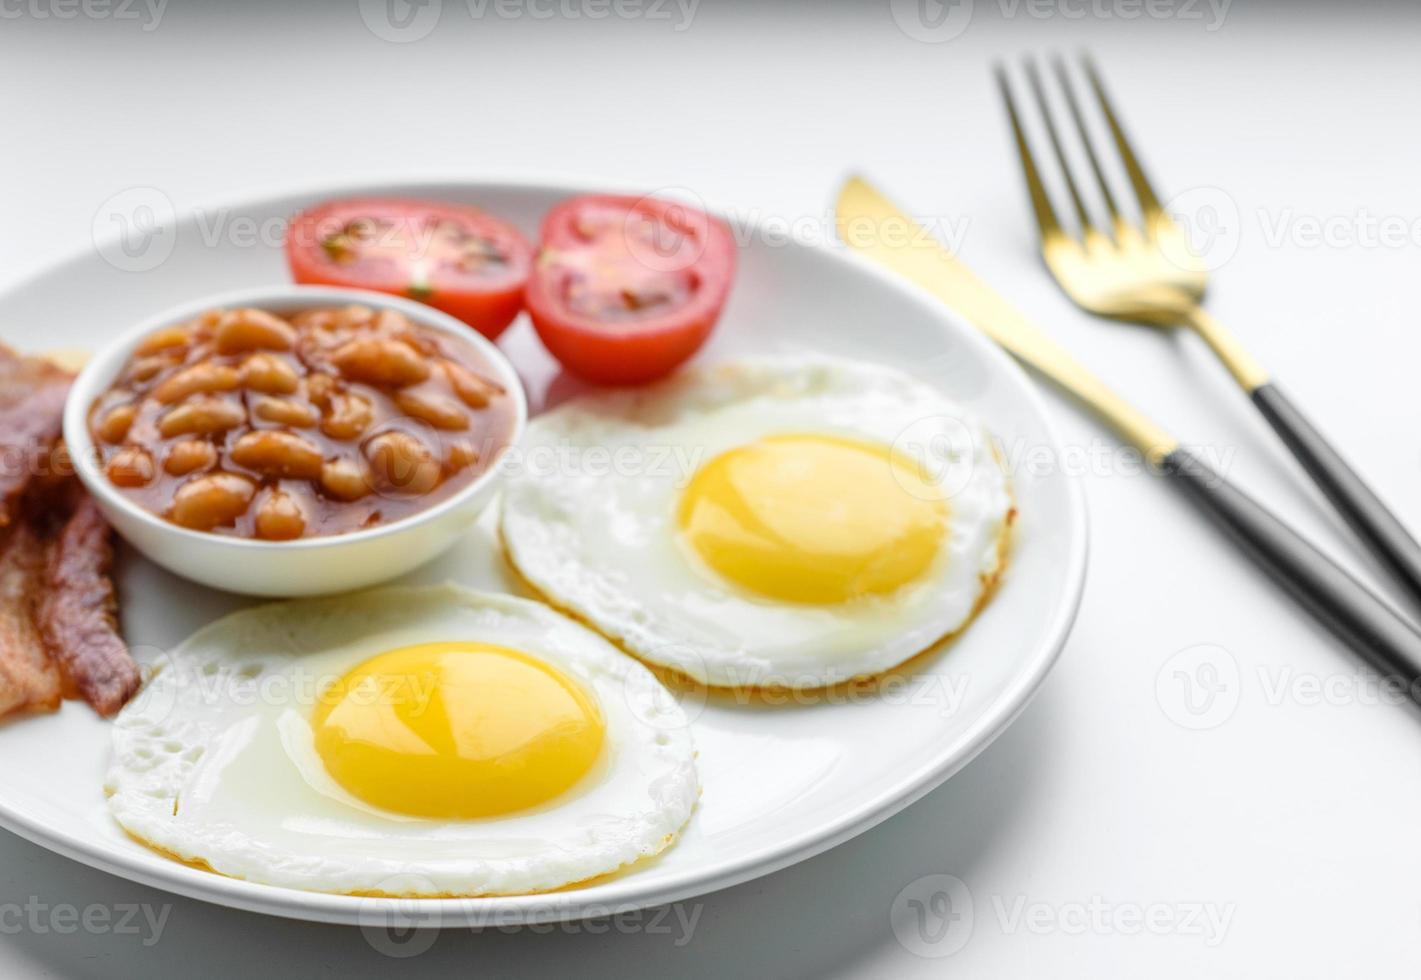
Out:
{"x": 457, "y": 259}
{"x": 626, "y": 288}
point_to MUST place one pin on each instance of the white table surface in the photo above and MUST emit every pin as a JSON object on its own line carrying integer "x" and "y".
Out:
{"x": 1117, "y": 828}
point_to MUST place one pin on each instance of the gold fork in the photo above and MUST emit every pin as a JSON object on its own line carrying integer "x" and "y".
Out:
{"x": 1147, "y": 272}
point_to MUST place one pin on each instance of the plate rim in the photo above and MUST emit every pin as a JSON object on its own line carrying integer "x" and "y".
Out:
{"x": 170, "y": 876}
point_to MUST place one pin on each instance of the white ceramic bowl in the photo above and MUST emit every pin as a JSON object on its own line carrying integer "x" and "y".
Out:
{"x": 308, "y": 566}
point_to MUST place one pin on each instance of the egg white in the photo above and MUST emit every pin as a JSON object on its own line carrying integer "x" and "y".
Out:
{"x": 589, "y": 519}
{"x": 214, "y": 761}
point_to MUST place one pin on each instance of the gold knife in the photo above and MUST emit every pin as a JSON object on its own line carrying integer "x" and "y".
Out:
{"x": 871, "y": 224}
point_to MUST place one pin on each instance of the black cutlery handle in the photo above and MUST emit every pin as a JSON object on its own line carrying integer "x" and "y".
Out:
{"x": 1366, "y": 623}
{"x": 1374, "y": 523}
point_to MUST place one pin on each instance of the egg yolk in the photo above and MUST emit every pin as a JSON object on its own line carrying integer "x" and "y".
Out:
{"x": 813, "y": 518}
{"x": 456, "y": 730}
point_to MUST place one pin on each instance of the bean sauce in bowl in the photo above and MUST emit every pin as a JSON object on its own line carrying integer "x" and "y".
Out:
{"x": 334, "y": 438}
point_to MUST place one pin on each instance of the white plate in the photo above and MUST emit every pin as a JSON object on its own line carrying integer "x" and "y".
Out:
{"x": 780, "y": 784}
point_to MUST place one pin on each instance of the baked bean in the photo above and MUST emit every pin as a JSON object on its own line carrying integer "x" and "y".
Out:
{"x": 279, "y": 517}
{"x": 355, "y": 315}
{"x": 402, "y": 463}
{"x": 321, "y": 388}
{"x": 395, "y": 322}
{"x": 346, "y": 479}
{"x": 385, "y": 363}
{"x": 147, "y": 368}
{"x": 206, "y": 322}
{"x": 131, "y": 467}
{"x": 285, "y": 411}
{"x": 270, "y": 375}
{"x": 474, "y": 391}
{"x": 424, "y": 345}
{"x": 244, "y": 330}
{"x": 438, "y": 410}
{"x": 163, "y": 340}
{"x": 246, "y": 423}
{"x": 332, "y": 318}
{"x": 280, "y": 454}
{"x": 348, "y": 416}
{"x": 114, "y": 426}
{"x": 215, "y": 500}
{"x": 202, "y": 417}
{"x": 189, "y": 456}
{"x": 205, "y": 379}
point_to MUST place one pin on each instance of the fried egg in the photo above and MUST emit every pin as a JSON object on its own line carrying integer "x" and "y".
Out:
{"x": 410, "y": 742}
{"x": 781, "y": 522}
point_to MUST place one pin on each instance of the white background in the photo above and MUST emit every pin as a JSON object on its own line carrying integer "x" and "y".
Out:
{"x": 1287, "y": 823}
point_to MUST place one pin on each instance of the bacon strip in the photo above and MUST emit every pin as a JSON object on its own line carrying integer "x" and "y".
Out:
{"x": 32, "y": 392}
{"x": 58, "y": 632}
{"x": 29, "y": 679}
{"x": 78, "y": 613}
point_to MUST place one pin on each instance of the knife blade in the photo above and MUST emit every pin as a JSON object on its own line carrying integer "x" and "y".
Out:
{"x": 871, "y": 224}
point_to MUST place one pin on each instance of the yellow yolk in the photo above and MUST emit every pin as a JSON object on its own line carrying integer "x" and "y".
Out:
{"x": 811, "y": 518}
{"x": 457, "y": 730}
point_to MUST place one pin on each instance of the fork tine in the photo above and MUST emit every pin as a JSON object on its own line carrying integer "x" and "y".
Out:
{"x": 1149, "y": 203}
{"x": 1087, "y": 227}
{"x": 1065, "y": 82}
{"x": 1040, "y": 203}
